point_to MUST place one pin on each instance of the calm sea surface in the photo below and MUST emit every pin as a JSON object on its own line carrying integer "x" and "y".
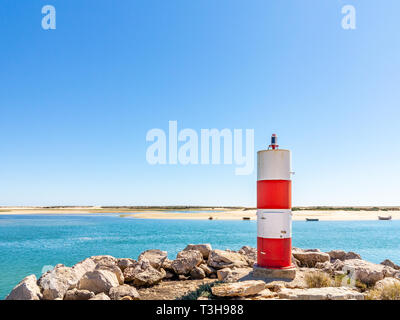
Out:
{"x": 30, "y": 242}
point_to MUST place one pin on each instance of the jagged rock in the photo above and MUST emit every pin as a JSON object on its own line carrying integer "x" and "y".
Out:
{"x": 76, "y": 294}
{"x": 390, "y": 263}
{"x": 126, "y": 298}
{"x": 250, "y": 254}
{"x": 207, "y": 269}
{"x": 330, "y": 267}
{"x": 366, "y": 272}
{"x": 154, "y": 256}
{"x": 326, "y": 293}
{"x": 167, "y": 265}
{"x": 117, "y": 293}
{"x": 337, "y": 254}
{"x": 55, "y": 283}
{"x": 232, "y": 275}
{"x": 343, "y": 255}
{"x": 220, "y": 259}
{"x": 181, "y": 277}
{"x": 143, "y": 274}
{"x": 205, "y": 249}
{"x": 123, "y": 263}
{"x": 186, "y": 260}
{"x": 99, "y": 280}
{"x": 197, "y": 273}
{"x": 238, "y": 289}
{"x": 101, "y": 296}
{"x": 325, "y": 266}
{"x": 225, "y": 275}
{"x": 104, "y": 260}
{"x": 169, "y": 275}
{"x": 310, "y": 258}
{"x": 27, "y": 289}
{"x": 352, "y": 255}
{"x": 337, "y": 265}
{"x": 114, "y": 269}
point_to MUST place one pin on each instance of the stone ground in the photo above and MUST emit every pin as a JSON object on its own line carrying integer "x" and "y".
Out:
{"x": 171, "y": 290}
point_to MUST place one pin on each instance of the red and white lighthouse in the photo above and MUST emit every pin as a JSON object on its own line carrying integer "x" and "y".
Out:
{"x": 274, "y": 203}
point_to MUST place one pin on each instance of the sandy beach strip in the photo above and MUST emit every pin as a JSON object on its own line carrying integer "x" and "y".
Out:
{"x": 204, "y": 213}
{"x": 339, "y": 215}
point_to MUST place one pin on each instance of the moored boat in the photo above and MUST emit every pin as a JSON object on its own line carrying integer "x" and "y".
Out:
{"x": 385, "y": 218}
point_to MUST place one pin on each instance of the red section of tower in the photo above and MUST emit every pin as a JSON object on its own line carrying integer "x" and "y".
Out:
{"x": 274, "y": 194}
{"x": 274, "y": 253}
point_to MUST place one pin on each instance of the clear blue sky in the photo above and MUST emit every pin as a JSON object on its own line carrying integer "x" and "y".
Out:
{"x": 76, "y": 102}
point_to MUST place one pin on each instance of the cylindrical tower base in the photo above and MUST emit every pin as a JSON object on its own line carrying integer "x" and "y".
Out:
{"x": 274, "y": 253}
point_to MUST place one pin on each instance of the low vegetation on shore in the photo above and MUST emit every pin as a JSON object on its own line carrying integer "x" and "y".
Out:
{"x": 100, "y": 209}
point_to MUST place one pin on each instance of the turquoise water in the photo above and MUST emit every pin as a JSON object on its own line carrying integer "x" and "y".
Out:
{"x": 30, "y": 242}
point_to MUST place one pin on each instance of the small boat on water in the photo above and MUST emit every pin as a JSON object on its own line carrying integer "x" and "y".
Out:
{"x": 246, "y": 218}
{"x": 385, "y": 218}
{"x": 312, "y": 219}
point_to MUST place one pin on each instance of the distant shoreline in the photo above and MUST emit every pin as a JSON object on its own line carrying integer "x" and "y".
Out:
{"x": 216, "y": 213}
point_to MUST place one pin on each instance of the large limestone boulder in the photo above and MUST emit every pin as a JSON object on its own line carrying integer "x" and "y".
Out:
{"x": 76, "y": 294}
{"x": 82, "y": 267}
{"x": 123, "y": 263}
{"x": 186, "y": 260}
{"x": 367, "y": 272}
{"x": 220, "y": 259}
{"x": 205, "y": 249}
{"x": 381, "y": 284}
{"x": 155, "y": 257}
{"x": 27, "y": 289}
{"x": 207, "y": 269}
{"x": 101, "y": 296}
{"x": 143, "y": 274}
{"x": 250, "y": 254}
{"x": 98, "y": 281}
{"x": 326, "y": 293}
{"x": 55, "y": 283}
{"x": 238, "y": 289}
{"x": 197, "y": 273}
{"x": 114, "y": 269}
{"x": 117, "y": 293}
{"x": 309, "y": 258}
